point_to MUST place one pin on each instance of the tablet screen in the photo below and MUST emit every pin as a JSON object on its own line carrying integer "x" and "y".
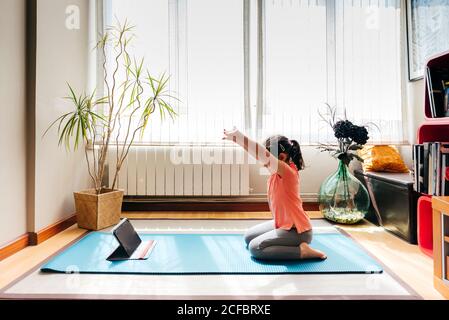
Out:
{"x": 127, "y": 236}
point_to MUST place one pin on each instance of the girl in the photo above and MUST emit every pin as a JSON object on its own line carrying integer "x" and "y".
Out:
{"x": 287, "y": 236}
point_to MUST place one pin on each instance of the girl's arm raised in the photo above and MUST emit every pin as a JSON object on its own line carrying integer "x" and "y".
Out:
{"x": 256, "y": 150}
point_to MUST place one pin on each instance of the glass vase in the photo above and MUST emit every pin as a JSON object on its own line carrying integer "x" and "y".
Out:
{"x": 342, "y": 197}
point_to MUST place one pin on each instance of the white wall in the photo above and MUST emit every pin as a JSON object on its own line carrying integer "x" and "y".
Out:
{"x": 415, "y": 95}
{"x": 12, "y": 121}
{"x": 415, "y": 115}
{"x": 62, "y": 56}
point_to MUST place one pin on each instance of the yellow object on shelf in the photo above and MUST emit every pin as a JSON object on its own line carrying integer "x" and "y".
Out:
{"x": 382, "y": 158}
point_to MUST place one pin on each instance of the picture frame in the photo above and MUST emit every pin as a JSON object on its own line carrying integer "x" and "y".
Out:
{"x": 427, "y": 33}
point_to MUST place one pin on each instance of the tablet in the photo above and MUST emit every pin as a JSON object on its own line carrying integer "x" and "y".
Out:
{"x": 127, "y": 237}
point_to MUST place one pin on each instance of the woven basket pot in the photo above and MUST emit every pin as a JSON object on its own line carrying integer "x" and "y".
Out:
{"x": 98, "y": 211}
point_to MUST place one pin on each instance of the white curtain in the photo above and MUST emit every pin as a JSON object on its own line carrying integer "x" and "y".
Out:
{"x": 346, "y": 53}
{"x": 199, "y": 43}
{"x": 368, "y": 60}
{"x": 295, "y": 51}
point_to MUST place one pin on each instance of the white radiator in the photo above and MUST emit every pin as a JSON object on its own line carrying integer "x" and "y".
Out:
{"x": 182, "y": 171}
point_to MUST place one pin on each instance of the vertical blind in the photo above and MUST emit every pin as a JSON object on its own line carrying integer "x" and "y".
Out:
{"x": 368, "y": 62}
{"x": 295, "y": 50}
{"x": 199, "y": 43}
{"x": 344, "y": 52}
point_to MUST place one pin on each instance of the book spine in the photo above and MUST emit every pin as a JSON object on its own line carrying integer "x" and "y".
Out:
{"x": 444, "y": 181}
{"x": 430, "y": 93}
{"x": 415, "y": 168}
{"x": 430, "y": 171}
{"x": 426, "y": 147}
{"x": 437, "y": 157}
{"x": 421, "y": 168}
{"x": 444, "y": 171}
{"x": 418, "y": 171}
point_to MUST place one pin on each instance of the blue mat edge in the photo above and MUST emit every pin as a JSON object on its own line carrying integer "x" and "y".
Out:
{"x": 45, "y": 269}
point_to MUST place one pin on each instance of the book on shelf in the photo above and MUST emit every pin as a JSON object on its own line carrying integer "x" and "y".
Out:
{"x": 435, "y": 156}
{"x": 431, "y": 168}
{"x": 436, "y": 84}
{"x": 444, "y": 169}
{"x": 425, "y": 168}
{"x": 418, "y": 158}
{"x": 445, "y": 85}
{"x": 441, "y": 156}
{"x": 445, "y": 174}
{"x": 430, "y": 92}
{"x": 415, "y": 171}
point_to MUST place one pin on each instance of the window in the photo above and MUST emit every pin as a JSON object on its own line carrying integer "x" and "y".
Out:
{"x": 368, "y": 64}
{"x": 199, "y": 43}
{"x": 268, "y": 65}
{"x": 345, "y": 52}
{"x": 295, "y": 45}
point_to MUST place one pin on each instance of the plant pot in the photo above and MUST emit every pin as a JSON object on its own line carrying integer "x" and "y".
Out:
{"x": 98, "y": 211}
{"x": 343, "y": 198}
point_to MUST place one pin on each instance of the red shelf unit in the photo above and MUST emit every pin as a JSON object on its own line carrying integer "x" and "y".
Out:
{"x": 433, "y": 129}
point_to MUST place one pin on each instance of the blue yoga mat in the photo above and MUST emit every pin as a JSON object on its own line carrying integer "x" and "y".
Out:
{"x": 207, "y": 254}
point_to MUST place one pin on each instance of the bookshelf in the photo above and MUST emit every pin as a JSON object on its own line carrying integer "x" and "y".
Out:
{"x": 440, "y": 207}
{"x": 435, "y": 128}
{"x": 437, "y": 71}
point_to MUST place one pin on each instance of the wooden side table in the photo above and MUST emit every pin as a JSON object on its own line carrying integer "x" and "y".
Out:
{"x": 440, "y": 206}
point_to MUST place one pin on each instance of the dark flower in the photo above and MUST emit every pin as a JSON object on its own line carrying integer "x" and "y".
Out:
{"x": 350, "y": 137}
{"x": 359, "y": 135}
{"x": 343, "y": 129}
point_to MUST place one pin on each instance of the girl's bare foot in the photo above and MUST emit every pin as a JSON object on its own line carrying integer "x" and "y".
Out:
{"x": 306, "y": 252}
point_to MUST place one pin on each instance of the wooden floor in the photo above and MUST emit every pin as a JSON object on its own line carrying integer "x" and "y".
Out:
{"x": 404, "y": 259}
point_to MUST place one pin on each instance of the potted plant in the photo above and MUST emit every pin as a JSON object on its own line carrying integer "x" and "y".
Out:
{"x": 112, "y": 120}
{"x": 342, "y": 197}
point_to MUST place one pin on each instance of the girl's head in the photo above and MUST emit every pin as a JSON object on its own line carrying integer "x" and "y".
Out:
{"x": 285, "y": 150}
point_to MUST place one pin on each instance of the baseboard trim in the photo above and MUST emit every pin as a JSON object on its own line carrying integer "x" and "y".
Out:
{"x": 14, "y": 246}
{"x": 48, "y": 232}
{"x": 35, "y": 238}
{"x": 201, "y": 206}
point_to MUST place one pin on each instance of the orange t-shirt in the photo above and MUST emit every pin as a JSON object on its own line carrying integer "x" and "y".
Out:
{"x": 285, "y": 202}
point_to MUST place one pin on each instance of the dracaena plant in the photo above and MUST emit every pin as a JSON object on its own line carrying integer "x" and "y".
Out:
{"x": 122, "y": 114}
{"x": 350, "y": 137}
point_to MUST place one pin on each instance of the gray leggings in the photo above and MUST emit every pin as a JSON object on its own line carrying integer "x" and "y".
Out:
{"x": 265, "y": 242}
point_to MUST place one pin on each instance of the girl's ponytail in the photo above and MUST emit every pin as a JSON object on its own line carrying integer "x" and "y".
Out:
{"x": 296, "y": 155}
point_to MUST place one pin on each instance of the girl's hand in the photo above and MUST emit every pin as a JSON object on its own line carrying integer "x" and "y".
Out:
{"x": 231, "y": 135}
